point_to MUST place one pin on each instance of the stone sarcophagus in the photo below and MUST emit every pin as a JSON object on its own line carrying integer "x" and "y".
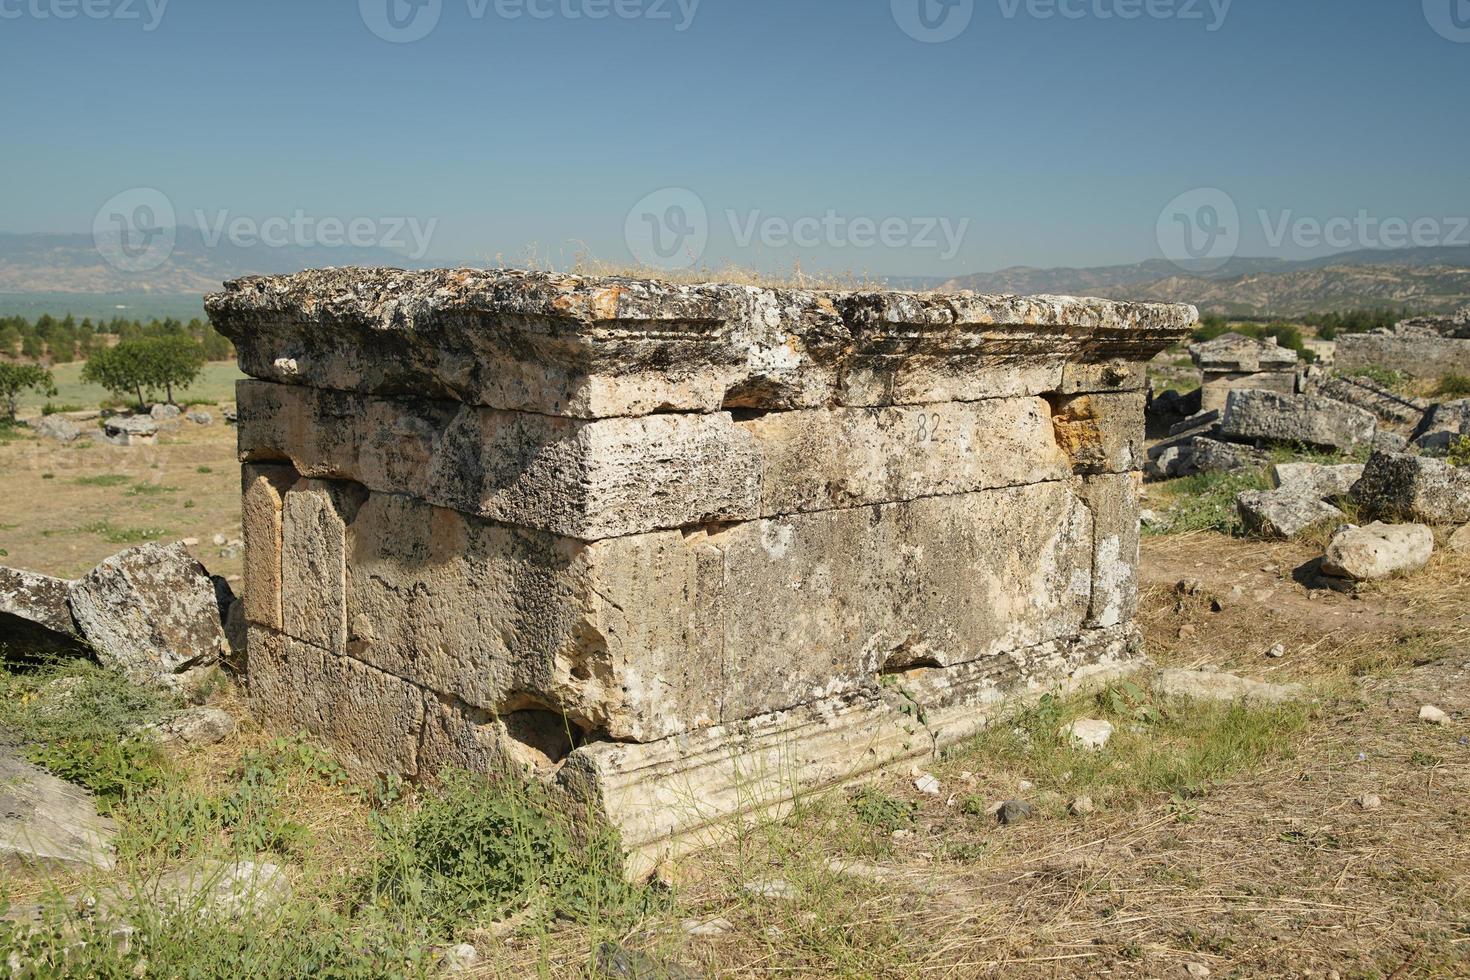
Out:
{"x": 686, "y": 550}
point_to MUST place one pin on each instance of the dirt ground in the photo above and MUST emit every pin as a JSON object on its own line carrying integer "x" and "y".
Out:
{"x": 1278, "y": 870}
{"x": 63, "y": 508}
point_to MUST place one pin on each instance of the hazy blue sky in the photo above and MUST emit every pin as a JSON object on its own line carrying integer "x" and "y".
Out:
{"x": 1045, "y": 132}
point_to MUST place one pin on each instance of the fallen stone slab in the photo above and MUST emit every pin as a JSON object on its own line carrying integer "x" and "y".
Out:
{"x": 1401, "y": 486}
{"x": 1282, "y": 513}
{"x": 35, "y": 613}
{"x": 1206, "y": 455}
{"x": 1444, "y": 425}
{"x": 1310, "y": 420}
{"x": 1365, "y": 554}
{"x": 1361, "y": 392}
{"x": 1209, "y": 685}
{"x": 46, "y": 822}
{"x": 151, "y": 613}
{"x": 1316, "y": 479}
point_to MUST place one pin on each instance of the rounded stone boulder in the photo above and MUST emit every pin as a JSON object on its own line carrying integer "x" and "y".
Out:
{"x": 1365, "y": 554}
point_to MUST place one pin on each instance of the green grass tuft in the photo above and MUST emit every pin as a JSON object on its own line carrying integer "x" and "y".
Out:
{"x": 1206, "y": 501}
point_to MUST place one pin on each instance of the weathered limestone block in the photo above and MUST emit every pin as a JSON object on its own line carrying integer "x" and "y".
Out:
{"x": 150, "y": 612}
{"x": 373, "y": 719}
{"x": 261, "y": 510}
{"x": 675, "y": 795}
{"x": 683, "y": 550}
{"x": 609, "y": 347}
{"x": 613, "y": 477}
{"x": 1399, "y": 486}
{"x": 1283, "y": 512}
{"x": 1307, "y": 419}
{"x": 1315, "y": 479}
{"x": 1365, "y": 554}
{"x": 1443, "y": 425}
{"x": 489, "y": 612}
{"x": 1114, "y": 505}
{"x": 35, "y": 608}
{"x": 1101, "y": 433}
{"x": 314, "y": 520}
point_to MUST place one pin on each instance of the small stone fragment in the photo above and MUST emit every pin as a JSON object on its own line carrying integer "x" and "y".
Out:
{"x": 1197, "y": 969}
{"x": 927, "y": 784}
{"x": 707, "y": 927}
{"x": 460, "y": 958}
{"x": 1459, "y": 542}
{"x": 1013, "y": 811}
{"x": 193, "y": 728}
{"x": 1277, "y": 652}
{"x": 1431, "y": 715}
{"x": 1089, "y": 733}
{"x": 1082, "y": 806}
{"x": 1370, "y": 801}
{"x": 1187, "y": 630}
{"x": 773, "y": 888}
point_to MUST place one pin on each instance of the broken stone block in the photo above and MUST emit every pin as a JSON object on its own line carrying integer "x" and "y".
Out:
{"x": 1213, "y": 456}
{"x": 681, "y": 550}
{"x": 1399, "y": 486}
{"x": 1282, "y": 513}
{"x": 1316, "y": 479}
{"x": 35, "y": 612}
{"x": 1309, "y": 420}
{"x": 151, "y": 613}
{"x": 57, "y": 428}
{"x": 1443, "y": 426}
{"x": 47, "y": 822}
{"x": 1365, "y": 554}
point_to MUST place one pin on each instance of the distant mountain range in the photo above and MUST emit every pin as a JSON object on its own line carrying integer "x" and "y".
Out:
{"x": 66, "y": 273}
{"x": 1431, "y": 280}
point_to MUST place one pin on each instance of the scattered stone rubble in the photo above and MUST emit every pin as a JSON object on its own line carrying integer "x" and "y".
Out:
{"x": 130, "y": 430}
{"x": 1419, "y": 347}
{"x": 151, "y": 612}
{"x": 685, "y": 549}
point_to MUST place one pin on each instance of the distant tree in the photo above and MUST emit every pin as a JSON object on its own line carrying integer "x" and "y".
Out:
{"x": 16, "y": 378}
{"x": 126, "y": 369}
{"x": 177, "y": 360}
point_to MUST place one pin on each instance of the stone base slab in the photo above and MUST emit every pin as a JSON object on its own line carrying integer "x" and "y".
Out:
{"x": 681, "y": 793}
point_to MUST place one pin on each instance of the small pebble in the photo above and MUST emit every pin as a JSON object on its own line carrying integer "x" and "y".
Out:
{"x": 458, "y": 959}
{"x": 707, "y": 927}
{"x": 1186, "y": 631}
{"x": 1431, "y": 715}
{"x": 775, "y": 888}
{"x": 1277, "y": 652}
{"x": 1370, "y": 801}
{"x": 1082, "y": 806}
{"x": 1025, "y": 786}
{"x": 1197, "y": 969}
{"x": 927, "y": 784}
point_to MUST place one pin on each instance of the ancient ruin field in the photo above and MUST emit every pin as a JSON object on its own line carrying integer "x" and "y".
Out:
{"x": 1324, "y": 836}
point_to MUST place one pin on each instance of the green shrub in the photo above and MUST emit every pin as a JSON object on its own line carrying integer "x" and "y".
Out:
{"x": 881, "y": 811}
{"x": 1459, "y": 452}
{"x": 1206, "y": 501}
{"x": 1453, "y": 386}
{"x": 480, "y": 847}
{"x": 1379, "y": 374}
